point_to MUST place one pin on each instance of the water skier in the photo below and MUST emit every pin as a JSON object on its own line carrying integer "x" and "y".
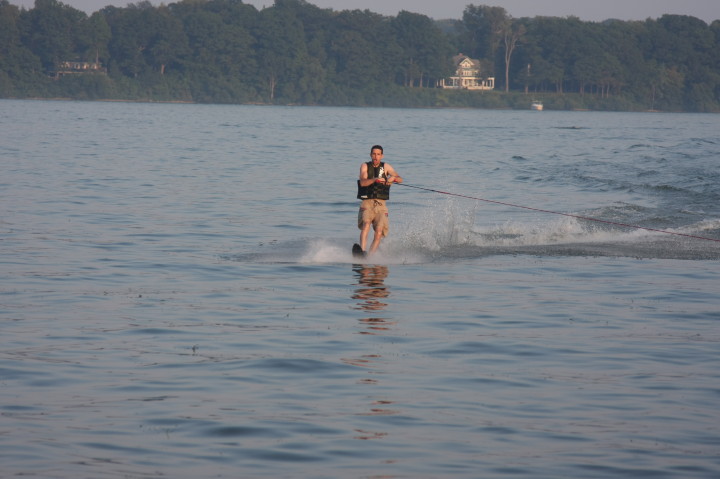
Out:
{"x": 374, "y": 183}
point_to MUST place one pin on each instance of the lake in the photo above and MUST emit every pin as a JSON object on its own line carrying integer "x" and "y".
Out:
{"x": 178, "y": 298}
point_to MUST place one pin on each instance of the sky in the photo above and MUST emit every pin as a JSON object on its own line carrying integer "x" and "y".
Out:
{"x": 589, "y": 10}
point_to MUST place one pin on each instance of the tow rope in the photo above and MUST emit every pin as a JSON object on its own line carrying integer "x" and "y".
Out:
{"x": 587, "y": 218}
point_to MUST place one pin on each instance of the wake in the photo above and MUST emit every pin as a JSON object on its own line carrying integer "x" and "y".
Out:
{"x": 449, "y": 233}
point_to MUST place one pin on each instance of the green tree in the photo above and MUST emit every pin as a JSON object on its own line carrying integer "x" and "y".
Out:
{"x": 94, "y": 37}
{"x": 220, "y": 63}
{"x": 558, "y": 44}
{"x": 295, "y": 52}
{"x": 281, "y": 50}
{"x": 624, "y": 41}
{"x": 50, "y": 31}
{"x": 425, "y": 49}
{"x": 19, "y": 67}
{"x": 513, "y": 32}
{"x": 312, "y": 73}
{"x": 130, "y": 38}
{"x": 168, "y": 45}
{"x": 688, "y": 45}
{"x": 363, "y": 57}
{"x": 609, "y": 72}
{"x": 355, "y": 63}
{"x": 485, "y": 29}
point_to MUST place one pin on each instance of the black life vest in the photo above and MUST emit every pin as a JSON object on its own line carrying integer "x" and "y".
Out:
{"x": 377, "y": 191}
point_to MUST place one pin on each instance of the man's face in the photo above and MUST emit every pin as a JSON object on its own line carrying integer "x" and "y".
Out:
{"x": 376, "y": 156}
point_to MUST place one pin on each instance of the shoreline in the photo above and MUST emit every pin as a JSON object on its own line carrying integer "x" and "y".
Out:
{"x": 428, "y": 107}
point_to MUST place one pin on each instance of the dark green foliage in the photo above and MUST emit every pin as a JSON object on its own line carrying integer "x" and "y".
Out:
{"x": 226, "y": 51}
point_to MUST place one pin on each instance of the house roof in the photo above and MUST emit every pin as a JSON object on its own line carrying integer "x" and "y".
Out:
{"x": 458, "y": 59}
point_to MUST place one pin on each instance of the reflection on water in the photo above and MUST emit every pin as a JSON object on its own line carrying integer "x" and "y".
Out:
{"x": 372, "y": 294}
{"x": 372, "y": 290}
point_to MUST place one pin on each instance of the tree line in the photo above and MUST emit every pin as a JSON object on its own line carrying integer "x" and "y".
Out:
{"x": 225, "y": 51}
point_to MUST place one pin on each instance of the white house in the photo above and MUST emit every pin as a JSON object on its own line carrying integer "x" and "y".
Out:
{"x": 467, "y": 76}
{"x": 74, "y": 67}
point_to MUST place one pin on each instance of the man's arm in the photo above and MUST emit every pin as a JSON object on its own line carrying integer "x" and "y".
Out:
{"x": 364, "y": 180}
{"x": 392, "y": 175}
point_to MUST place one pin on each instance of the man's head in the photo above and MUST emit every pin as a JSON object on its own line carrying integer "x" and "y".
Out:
{"x": 376, "y": 154}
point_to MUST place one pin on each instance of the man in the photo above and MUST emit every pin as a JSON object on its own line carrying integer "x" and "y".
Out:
{"x": 374, "y": 190}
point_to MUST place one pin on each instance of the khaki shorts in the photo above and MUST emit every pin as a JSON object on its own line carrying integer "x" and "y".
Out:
{"x": 375, "y": 212}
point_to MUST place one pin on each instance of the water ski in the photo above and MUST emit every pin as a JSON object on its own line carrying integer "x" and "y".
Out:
{"x": 357, "y": 251}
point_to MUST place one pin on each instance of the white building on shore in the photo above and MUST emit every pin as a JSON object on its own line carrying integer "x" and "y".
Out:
{"x": 467, "y": 76}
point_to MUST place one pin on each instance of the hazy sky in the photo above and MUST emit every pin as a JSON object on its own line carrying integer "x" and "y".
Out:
{"x": 594, "y": 10}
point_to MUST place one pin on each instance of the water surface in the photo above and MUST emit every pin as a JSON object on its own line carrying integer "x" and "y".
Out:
{"x": 178, "y": 298}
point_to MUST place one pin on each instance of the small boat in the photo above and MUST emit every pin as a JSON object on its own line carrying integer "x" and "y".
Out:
{"x": 536, "y": 105}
